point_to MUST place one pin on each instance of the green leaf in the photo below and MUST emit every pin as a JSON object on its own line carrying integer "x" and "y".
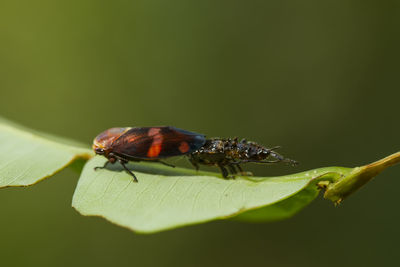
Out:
{"x": 28, "y": 156}
{"x": 168, "y": 198}
{"x": 282, "y": 209}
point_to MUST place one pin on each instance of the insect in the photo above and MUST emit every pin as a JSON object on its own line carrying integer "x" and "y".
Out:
{"x": 145, "y": 144}
{"x": 230, "y": 153}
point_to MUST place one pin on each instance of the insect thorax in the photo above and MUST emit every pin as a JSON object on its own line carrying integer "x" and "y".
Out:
{"x": 220, "y": 150}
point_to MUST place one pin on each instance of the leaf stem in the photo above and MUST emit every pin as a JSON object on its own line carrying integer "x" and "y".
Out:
{"x": 358, "y": 177}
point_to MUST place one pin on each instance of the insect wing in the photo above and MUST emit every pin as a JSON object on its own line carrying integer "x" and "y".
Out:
{"x": 179, "y": 142}
{"x": 157, "y": 142}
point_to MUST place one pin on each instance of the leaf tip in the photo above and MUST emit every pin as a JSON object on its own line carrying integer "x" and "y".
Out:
{"x": 358, "y": 177}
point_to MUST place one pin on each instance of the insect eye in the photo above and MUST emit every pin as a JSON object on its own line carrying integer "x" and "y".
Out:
{"x": 99, "y": 151}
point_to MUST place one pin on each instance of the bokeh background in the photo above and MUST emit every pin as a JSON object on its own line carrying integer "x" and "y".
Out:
{"x": 319, "y": 78}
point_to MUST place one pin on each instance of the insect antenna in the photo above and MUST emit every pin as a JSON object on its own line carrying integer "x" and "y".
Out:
{"x": 275, "y": 148}
{"x": 291, "y": 162}
{"x": 279, "y": 157}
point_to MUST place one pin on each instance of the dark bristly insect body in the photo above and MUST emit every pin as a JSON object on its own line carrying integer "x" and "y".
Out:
{"x": 230, "y": 153}
{"x": 145, "y": 144}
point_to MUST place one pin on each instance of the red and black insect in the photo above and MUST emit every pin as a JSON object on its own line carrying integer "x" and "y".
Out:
{"x": 145, "y": 144}
{"x": 231, "y": 153}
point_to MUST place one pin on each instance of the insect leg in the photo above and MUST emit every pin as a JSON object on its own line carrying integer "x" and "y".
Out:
{"x": 194, "y": 163}
{"x": 242, "y": 172}
{"x": 128, "y": 171}
{"x": 104, "y": 166}
{"x": 232, "y": 169}
{"x": 165, "y": 163}
{"x": 224, "y": 171}
{"x": 239, "y": 167}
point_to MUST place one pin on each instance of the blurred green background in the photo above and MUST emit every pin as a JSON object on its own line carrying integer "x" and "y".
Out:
{"x": 320, "y": 78}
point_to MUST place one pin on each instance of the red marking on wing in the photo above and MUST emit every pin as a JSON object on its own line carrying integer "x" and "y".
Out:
{"x": 155, "y": 147}
{"x": 153, "y": 131}
{"x": 184, "y": 147}
{"x": 133, "y": 139}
